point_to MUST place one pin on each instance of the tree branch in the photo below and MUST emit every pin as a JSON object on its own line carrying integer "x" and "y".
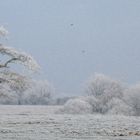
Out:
{"x": 7, "y": 62}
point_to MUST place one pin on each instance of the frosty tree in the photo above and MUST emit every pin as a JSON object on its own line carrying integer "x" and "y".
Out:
{"x": 12, "y": 82}
{"x": 104, "y": 89}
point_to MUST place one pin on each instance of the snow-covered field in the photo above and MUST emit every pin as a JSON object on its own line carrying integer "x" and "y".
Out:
{"x": 40, "y": 123}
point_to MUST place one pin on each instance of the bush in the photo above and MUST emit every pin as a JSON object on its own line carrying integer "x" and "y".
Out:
{"x": 76, "y": 106}
{"x": 91, "y": 100}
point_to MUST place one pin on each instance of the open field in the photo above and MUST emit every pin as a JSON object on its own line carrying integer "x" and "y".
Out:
{"x": 40, "y": 123}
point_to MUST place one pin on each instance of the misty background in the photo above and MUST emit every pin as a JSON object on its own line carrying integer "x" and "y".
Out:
{"x": 72, "y": 40}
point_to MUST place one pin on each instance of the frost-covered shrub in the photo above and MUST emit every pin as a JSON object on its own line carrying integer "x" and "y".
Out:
{"x": 40, "y": 93}
{"x": 132, "y": 98}
{"x": 92, "y": 101}
{"x": 104, "y": 88}
{"x": 76, "y": 106}
{"x": 118, "y": 107}
{"x": 18, "y": 57}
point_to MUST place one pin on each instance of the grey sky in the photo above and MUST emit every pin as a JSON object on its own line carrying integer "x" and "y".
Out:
{"x": 72, "y": 39}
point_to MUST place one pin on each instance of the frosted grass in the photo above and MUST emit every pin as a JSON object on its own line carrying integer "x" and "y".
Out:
{"x": 41, "y": 123}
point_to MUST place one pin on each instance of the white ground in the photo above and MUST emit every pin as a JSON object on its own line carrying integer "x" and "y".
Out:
{"x": 40, "y": 123}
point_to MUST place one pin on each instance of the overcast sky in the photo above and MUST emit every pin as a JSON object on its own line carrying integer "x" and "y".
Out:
{"x": 73, "y": 39}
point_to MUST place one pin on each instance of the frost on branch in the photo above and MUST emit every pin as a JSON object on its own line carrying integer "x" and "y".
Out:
{"x": 18, "y": 57}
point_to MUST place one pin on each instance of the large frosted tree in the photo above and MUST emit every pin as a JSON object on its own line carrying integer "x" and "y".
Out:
{"x": 11, "y": 81}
